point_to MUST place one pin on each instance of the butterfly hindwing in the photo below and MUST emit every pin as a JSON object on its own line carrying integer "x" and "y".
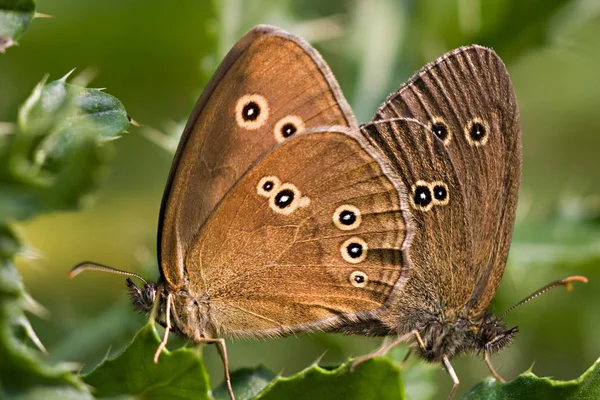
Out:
{"x": 311, "y": 236}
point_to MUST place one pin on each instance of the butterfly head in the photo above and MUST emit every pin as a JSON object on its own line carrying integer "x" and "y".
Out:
{"x": 142, "y": 299}
{"x": 452, "y": 338}
{"x": 494, "y": 336}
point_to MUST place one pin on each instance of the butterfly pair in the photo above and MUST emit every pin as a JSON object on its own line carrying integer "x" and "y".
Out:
{"x": 282, "y": 215}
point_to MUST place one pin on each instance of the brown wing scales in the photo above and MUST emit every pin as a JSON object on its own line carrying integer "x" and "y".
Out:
{"x": 269, "y": 86}
{"x": 467, "y": 98}
{"x": 440, "y": 238}
{"x": 268, "y": 272}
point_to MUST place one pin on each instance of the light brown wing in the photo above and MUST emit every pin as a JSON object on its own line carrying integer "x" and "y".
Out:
{"x": 226, "y": 133}
{"x": 465, "y": 87}
{"x": 440, "y": 244}
{"x": 269, "y": 267}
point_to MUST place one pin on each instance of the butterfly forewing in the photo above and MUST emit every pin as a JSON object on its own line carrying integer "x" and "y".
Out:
{"x": 311, "y": 236}
{"x": 269, "y": 87}
{"x": 466, "y": 98}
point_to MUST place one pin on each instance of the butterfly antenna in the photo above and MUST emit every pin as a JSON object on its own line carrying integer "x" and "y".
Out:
{"x": 563, "y": 282}
{"x": 85, "y": 266}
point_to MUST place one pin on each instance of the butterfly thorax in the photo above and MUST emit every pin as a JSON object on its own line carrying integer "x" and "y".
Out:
{"x": 189, "y": 314}
{"x": 457, "y": 336}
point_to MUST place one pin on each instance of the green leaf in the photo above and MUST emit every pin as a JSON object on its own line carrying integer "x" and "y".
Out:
{"x": 246, "y": 383}
{"x": 15, "y": 17}
{"x": 378, "y": 378}
{"x": 178, "y": 375}
{"x": 23, "y": 374}
{"x": 48, "y": 163}
{"x": 57, "y": 155}
{"x": 529, "y": 386}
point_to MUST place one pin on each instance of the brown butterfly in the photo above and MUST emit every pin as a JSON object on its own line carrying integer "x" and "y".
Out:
{"x": 281, "y": 215}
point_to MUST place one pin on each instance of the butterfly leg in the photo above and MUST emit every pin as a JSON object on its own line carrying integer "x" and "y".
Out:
{"x": 486, "y": 358}
{"x": 385, "y": 348}
{"x": 406, "y": 357}
{"x": 452, "y": 375}
{"x": 222, "y": 348}
{"x": 163, "y": 343}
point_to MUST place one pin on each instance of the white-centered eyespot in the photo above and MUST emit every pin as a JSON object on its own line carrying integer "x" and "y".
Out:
{"x": 354, "y": 250}
{"x": 347, "y": 217}
{"x": 440, "y": 193}
{"x": 359, "y": 279}
{"x": 288, "y": 199}
{"x": 421, "y": 197}
{"x": 268, "y": 186}
{"x": 251, "y": 111}
{"x": 477, "y": 132}
{"x": 287, "y": 127}
{"x": 441, "y": 129}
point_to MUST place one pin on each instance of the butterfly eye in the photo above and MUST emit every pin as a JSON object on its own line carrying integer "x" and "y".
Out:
{"x": 347, "y": 217}
{"x": 359, "y": 279}
{"x": 441, "y": 130}
{"x": 251, "y": 111}
{"x": 354, "y": 250}
{"x": 287, "y": 127}
{"x": 477, "y": 132}
{"x": 287, "y": 199}
{"x": 440, "y": 193}
{"x": 421, "y": 197}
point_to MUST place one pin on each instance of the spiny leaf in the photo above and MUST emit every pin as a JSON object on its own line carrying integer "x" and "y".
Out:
{"x": 22, "y": 372}
{"x": 246, "y": 383}
{"x": 49, "y": 162}
{"x": 529, "y": 386}
{"x": 57, "y": 154}
{"x": 178, "y": 375}
{"x": 15, "y": 17}
{"x": 378, "y": 378}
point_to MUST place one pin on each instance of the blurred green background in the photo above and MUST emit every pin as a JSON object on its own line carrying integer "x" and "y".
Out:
{"x": 155, "y": 57}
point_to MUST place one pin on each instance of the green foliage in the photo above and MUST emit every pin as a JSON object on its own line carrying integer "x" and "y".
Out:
{"x": 181, "y": 375}
{"x": 375, "y": 379}
{"x": 247, "y": 383}
{"x": 530, "y": 387}
{"x": 15, "y": 17}
{"x": 56, "y": 157}
{"x": 23, "y": 374}
{"x": 47, "y": 164}
{"x": 178, "y": 375}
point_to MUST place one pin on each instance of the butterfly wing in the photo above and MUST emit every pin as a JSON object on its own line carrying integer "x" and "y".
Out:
{"x": 440, "y": 237}
{"x": 466, "y": 98}
{"x": 311, "y": 237}
{"x": 271, "y": 85}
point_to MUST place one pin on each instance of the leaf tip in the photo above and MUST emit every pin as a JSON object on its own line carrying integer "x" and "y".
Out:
{"x": 64, "y": 78}
{"x": 42, "y": 15}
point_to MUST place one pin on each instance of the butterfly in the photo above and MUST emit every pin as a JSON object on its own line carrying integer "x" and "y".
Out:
{"x": 282, "y": 215}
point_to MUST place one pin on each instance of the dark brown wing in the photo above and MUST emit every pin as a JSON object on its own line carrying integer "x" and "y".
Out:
{"x": 439, "y": 238}
{"x": 467, "y": 99}
{"x": 270, "y": 85}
